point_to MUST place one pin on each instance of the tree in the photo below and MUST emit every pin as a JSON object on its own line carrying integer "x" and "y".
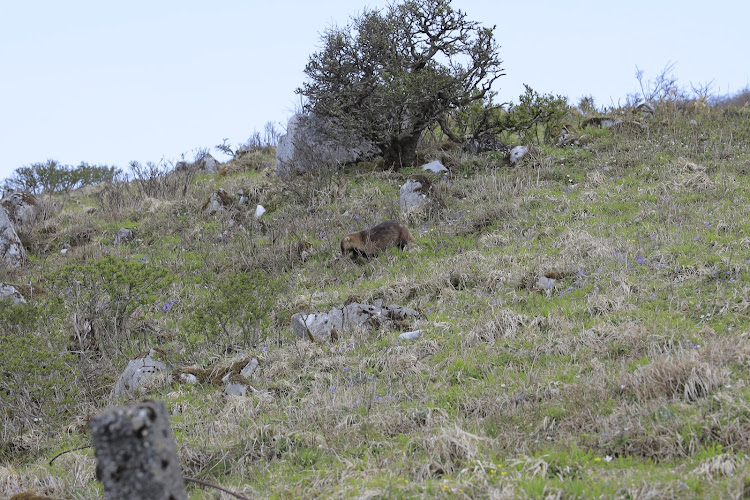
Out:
{"x": 390, "y": 74}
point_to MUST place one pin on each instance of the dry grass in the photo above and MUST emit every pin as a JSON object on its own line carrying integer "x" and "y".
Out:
{"x": 626, "y": 378}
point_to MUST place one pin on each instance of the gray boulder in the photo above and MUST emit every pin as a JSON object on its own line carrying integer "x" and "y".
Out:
{"x": 137, "y": 372}
{"x": 208, "y": 163}
{"x": 310, "y": 143}
{"x": 22, "y": 207}
{"x": 8, "y": 292}
{"x": 322, "y": 327}
{"x": 124, "y": 235}
{"x": 12, "y": 253}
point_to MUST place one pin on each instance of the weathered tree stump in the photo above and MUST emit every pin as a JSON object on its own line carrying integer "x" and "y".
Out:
{"x": 136, "y": 454}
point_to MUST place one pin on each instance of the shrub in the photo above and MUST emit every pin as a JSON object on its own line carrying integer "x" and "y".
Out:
{"x": 37, "y": 372}
{"x": 51, "y": 177}
{"x": 110, "y": 292}
{"x": 239, "y": 305}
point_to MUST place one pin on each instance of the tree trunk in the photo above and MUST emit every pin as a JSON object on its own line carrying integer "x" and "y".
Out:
{"x": 402, "y": 152}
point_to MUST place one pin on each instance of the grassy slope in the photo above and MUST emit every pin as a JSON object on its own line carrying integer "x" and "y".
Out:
{"x": 627, "y": 378}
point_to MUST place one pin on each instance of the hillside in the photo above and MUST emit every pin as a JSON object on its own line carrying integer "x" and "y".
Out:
{"x": 623, "y": 374}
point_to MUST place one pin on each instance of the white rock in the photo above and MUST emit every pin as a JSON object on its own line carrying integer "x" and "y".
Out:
{"x": 12, "y": 253}
{"x": 435, "y": 167}
{"x": 517, "y": 154}
{"x": 411, "y": 335}
{"x": 259, "y": 210}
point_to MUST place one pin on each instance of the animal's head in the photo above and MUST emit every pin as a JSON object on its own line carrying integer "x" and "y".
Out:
{"x": 346, "y": 244}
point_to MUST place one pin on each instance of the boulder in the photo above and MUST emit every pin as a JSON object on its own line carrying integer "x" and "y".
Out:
{"x": 517, "y": 154}
{"x": 22, "y": 207}
{"x": 322, "y": 327}
{"x": 9, "y": 292}
{"x": 138, "y": 371}
{"x": 12, "y": 253}
{"x": 124, "y": 235}
{"x": 217, "y": 202}
{"x": 310, "y": 143}
{"x": 435, "y": 167}
{"x": 207, "y": 163}
{"x": 418, "y": 193}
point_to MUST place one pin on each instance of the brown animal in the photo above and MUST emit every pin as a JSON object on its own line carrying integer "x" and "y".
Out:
{"x": 370, "y": 242}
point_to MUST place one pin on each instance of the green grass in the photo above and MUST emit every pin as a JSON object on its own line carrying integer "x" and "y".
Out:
{"x": 626, "y": 379}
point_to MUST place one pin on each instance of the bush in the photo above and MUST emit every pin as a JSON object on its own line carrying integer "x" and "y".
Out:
{"x": 239, "y": 305}
{"x": 109, "y": 293}
{"x": 38, "y": 375}
{"x": 51, "y": 177}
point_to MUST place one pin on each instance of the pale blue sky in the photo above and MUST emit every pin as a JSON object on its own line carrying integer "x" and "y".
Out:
{"x": 108, "y": 82}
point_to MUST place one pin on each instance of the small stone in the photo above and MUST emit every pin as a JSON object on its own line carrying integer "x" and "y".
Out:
{"x": 411, "y": 335}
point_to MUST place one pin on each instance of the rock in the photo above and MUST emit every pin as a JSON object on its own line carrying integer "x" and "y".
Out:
{"x": 124, "y": 235}
{"x": 411, "y": 335}
{"x": 322, "y": 327}
{"x": 9, "y": 292}
{"x": 545, "y": 283}
{"x": 22, "y": 207}
{"x": 259, "y": 210}
{"x": 435, "y": 167}
{"x": 137, "y": 372}
{"x": 517, "y": 154}
{"x": 207, "y": 163}
{"x": 217, "y": 202}
{"x": 417, "y": 192}
{"x": 310, "y": 143}
{"x": 237, "y": 385}
{"x": 136, "y": 453}
{"x": 646, "y": 109}
{"x": 249, "y": 368}
{"x": 12, "y": 253}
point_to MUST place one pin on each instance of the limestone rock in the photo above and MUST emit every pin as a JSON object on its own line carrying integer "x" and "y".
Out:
{"x": 517, "y": 154}
{"x": 12, "y": 253}
{"x": 207, "y": 163}
{"x": 22, "y": 207}
{"x": 435, "y": 167}
{"x": 9, "y": 292}
{"x": 124, "y": 235}
{"x": 217, "y": 202}
{"x": 417, "y": 193}
{"x": 310, "y": 143}
{"x": 137, "y": 372}
{"x": 136, "y": 453}
{"x": 322, "y": 327}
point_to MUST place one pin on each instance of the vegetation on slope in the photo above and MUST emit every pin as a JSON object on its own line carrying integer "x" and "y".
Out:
{"x": 625, "y": 378}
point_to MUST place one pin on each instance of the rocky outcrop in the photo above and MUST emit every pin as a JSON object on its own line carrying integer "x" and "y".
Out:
{"x": 12, "y": 253}
{"x": 9, "y": 292}
{"x": 217, "y": 202}
{"x": 22, "y": 207}
{"x": 323, "y": 327}
{"x": 138, "y": 371}
{"x": 310, "y": 143}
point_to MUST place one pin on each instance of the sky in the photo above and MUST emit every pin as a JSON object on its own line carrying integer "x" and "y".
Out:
{"x": 112, "y": 82}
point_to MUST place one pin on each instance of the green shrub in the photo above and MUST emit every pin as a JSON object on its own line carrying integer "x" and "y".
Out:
{"x": 111, "y": 292}
{"x": 239, "y": 305}
{"x": 37, "y": 372}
